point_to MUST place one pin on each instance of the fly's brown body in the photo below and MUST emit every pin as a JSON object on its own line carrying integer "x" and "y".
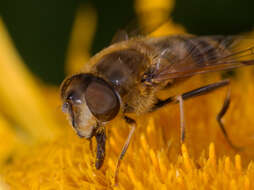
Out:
{"x": 126, "y": 77}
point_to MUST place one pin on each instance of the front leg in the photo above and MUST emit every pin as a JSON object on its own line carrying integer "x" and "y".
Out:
{"x": 101, "y": 141}
{"x": 132, "y": 124}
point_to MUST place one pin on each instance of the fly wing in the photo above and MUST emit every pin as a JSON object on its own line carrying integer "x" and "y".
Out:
{"x": 185, "y": 56}
{"x": 135, "y": 28}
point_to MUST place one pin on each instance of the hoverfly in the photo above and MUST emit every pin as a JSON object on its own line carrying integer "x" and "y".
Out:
{"x": 126, "y": 77}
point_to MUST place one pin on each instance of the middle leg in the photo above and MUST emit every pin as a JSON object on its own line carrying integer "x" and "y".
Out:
{"x": 198, "y": 92}
{"x": 182, "y": 121}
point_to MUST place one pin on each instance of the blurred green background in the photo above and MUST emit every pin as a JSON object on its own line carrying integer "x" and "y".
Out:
{"x": 41, "y": 28}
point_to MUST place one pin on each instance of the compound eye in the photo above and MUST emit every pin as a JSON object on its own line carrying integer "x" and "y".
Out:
{"x": 102, "y": 100}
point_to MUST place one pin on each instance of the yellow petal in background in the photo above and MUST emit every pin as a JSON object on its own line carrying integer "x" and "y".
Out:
{"x": 10, "y": 144}
{"x": 154, "y": 17}
{"x": 21, "y": 99}
{"x": 81, "y": 39}
{"x": 150, "y": 5}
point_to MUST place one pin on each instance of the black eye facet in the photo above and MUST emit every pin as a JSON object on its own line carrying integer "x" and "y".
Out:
{"x": 102, "y": 100}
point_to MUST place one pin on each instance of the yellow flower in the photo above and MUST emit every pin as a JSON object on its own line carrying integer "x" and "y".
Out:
{"x": 39, "y": 150}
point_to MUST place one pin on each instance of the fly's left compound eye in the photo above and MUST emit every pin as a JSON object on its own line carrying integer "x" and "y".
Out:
{"x": 102, "y": 100}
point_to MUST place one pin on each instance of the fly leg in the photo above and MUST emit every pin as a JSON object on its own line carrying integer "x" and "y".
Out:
{"x": 182, "y": 121}
{"x": 100, "y": 154}
{"x": 219, "y": 119}
{"x": 198, "y": 92}
{"x": 132, "y": 125}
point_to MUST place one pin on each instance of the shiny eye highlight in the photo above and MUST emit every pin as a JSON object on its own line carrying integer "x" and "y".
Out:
{"x": 74, "y": 97}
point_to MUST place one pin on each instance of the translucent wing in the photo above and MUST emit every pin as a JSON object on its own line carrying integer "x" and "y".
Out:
{"x": 136, "y": 28}
{"x": 184, "y": 56}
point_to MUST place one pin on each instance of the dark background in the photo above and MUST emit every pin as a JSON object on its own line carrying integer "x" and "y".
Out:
{"x": 41, "y": 28}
